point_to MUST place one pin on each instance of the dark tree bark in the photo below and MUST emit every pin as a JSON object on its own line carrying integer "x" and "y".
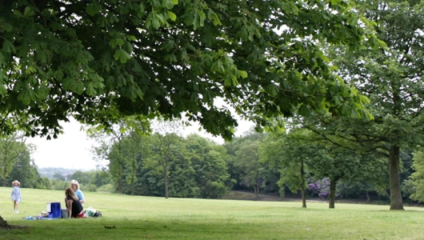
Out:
{"x": 165, "y": 177}
{"x": 120, "y": 180}
{"x": 4, "y": 224}
{"x": 257, "y": 190}
{"x": 396, "y": 202}
{"x": 302, "y": 177}
{"x": 332, "y": 198}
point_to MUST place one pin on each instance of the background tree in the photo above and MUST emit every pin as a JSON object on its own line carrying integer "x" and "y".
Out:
{"x": 416, "y": 180}
{"x": 244, "y": 159}
{"x": 164, "y": 143}
{"x": 110, "y": 144}
{"x": 26, "y": 171}
{"x": 101, "y": 178}
{"x": 164, "y": 146}
{"x": 391, "y": 79}
{"x": 11, "y": 148}
{"x": 291, "y": 154}
{"x": 209, "y": 161}
{"x": 131, "y": 149}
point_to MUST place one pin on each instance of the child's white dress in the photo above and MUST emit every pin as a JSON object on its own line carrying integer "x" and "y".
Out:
{"x": 16, "y": 194}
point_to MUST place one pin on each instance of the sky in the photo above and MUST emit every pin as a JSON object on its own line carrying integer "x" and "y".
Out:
{"x": 71, "y": 150}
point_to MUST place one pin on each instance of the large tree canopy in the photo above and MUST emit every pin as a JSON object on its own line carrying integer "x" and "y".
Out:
{"x": 393, "y": 81}
{"x": 102, "y": 59}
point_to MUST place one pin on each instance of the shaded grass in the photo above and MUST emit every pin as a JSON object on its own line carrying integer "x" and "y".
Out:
{"x": 136, "y": 217}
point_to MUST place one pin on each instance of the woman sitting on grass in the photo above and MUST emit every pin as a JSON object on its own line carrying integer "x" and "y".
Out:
{"x": 73, "y": 205}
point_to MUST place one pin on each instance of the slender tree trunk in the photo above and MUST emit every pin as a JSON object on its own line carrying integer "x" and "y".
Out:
{"x": 396, "y": 202}
{"x": 302, "y": 179}
{"x": 120, "y": 166}
{"x": 255, "y": 190}
{"x": 368, "y": 196}
{"x": 165, "y": 176}
{"x": 4, "y": 171}
{"x": 120, "y": 179}
{"x": 303, "y": 197}
{"x": 332, "y": 198}
{"x": 4, "y": 182}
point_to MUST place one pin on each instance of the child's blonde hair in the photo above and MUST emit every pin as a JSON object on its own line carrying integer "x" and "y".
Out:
{"x": 16, "y": 183}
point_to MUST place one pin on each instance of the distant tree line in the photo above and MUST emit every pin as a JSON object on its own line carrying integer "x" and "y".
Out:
{"x": 295, "y": 161}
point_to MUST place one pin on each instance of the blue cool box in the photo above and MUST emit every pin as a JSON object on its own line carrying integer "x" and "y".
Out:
{"x": 55, "y": 210}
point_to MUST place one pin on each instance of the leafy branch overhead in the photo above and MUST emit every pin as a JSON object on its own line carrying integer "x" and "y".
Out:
{"x": 101, "y": 60}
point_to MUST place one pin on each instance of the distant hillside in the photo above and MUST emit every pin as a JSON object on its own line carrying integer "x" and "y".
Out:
{"x": 49, "y": 172}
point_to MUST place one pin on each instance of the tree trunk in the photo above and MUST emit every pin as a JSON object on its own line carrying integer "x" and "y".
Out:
{"x": 120, "y": 179}
{"x": 120, "y": 165}
{"x": 3, "y": 224}
{"x": 302, "y": 179}
{"x": 332, "y": 197}
{"x": 396, "y": 202}
{"x": 303, "y": 197}
{"x": 368, "y": 196}
{"x": 257, "y": 191}
{"x": 165, "y": 176}
{"x": 4, "y": 176}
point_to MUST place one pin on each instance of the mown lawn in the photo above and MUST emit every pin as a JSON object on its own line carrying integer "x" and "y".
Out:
{"x": 159, "y": 218}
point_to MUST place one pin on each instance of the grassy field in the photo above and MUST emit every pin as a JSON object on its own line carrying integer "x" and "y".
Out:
{"x": 158, "y": 218}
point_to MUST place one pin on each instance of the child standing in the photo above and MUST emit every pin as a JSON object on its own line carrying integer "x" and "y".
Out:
{"x": 16, "y": 195}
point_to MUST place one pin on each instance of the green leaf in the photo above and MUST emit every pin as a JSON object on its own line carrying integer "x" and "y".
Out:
{"x": 58, "y": 75}
{"x": 227, "y": 82}
{"x": 24, "y": 97}
{"x": 93, "y": 9}
{"x": 31, "y": 70}
{"x": 243, "y": 74}
{"x": 68, "y": 83}
{"x": 175, "y": 2}
{"x": 2, "y": 60}
{"x": 6, "y": 27}
{"x": 90, "y": 89}
{"x": 272, "y": 89}
{"x": 155, "y": 23}
{"x": 122, "y": 55}
{"x": 172, "y": 16}
{"x": 28, "y": 12}
{"x": 381, "y": 43}
{"x": 304, "y": 110}
{"x": 364, "y": 100}
{"x": 8, "y": 47}
{"x": 3, "y": 90}
{"x": 17, "y": 13}
{"x": 234, "y": 81}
